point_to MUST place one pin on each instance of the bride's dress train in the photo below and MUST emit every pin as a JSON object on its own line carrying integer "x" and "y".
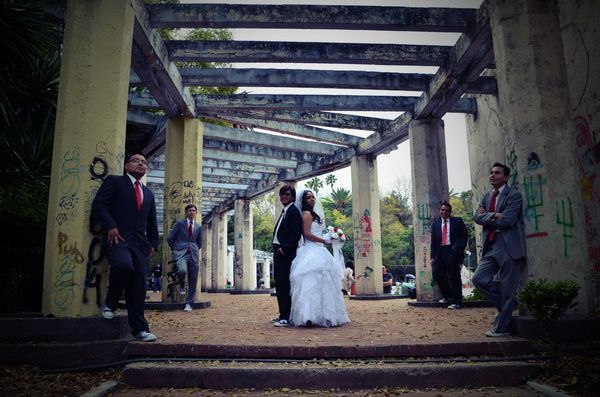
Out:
{"x": 316, "y": 286}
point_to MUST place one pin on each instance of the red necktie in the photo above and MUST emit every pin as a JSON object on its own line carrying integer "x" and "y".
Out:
{"x": 138, "y": 194}
{"x": 190, "y": 229}
{"x": 492, "y": 233}
{"x": 444, "y": 231}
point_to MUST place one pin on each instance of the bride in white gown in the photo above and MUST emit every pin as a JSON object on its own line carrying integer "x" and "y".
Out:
{"x": 316, "y": 282}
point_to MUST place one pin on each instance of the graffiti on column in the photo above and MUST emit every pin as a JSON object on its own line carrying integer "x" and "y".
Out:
{"x": 424, "y": 217}
{"x": 367, "y": 273}
{"x": 93, "y": 278}
{"x": 564, "y": 218}
{"x": 69, "y": 257}
{"x": 533, "y": 161}
{"x": 511, "y": 162}
{"x": 237, "y": 267}
{"x": 363, "y": 244}
{"x": 69, "y": 184}
{"x": 534, "y": 197}
{"x": 588, "y": 157}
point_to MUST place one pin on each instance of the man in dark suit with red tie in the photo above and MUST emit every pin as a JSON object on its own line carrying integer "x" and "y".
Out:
{"x": 286, "y": 235}
{"x": 504, "y": 252}
{"x": 185, "y": 239}
{"x": 449, "y": 238}
{"x": 126, "y": 211}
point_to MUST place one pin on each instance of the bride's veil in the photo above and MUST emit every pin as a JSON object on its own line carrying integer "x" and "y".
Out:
{"x": 318, "y": 205}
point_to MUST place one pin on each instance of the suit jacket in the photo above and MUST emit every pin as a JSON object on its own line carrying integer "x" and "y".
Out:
{"x": 458, "y": 237}
{"x": 179, "y": 239}
{"x": 115, "y": 206}
{"x": 290, "y": 230}
{"x": 510, "y": 226}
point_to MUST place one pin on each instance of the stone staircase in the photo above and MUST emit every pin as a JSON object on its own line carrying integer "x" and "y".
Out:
{"x": 496, "y": 363}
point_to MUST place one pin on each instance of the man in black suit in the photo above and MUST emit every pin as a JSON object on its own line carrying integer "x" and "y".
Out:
{"x": 285, "y": 242}
{"x": 126, "y": 212}
{"x": 449, "y": 237}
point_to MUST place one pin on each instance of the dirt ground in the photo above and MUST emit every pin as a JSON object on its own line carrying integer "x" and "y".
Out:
{"x": 235, "y": 319}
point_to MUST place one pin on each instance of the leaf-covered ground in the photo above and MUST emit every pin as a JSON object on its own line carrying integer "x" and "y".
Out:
{"x": 234, "y": 319}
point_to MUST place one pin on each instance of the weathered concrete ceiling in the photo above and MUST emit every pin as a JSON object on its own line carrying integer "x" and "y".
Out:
{"x": 241, "y": 162}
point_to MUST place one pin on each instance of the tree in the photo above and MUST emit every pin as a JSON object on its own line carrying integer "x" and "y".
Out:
{"x": 330, "y": 180}
{"x": 339, "y": 199}
{"x": 462, "y": 206}
{"x": 315, "y": 184}
{"x": 29, "y": 70}
{"x": 263, "y": 216}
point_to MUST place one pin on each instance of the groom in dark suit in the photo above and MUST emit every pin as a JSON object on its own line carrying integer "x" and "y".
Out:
{"x": 449, "y": 237}
{"x": 185, "y": 239}
{"x": 504, "y": 252}
{"x": 285, "y": 242}
{"x": 125, "y": 209}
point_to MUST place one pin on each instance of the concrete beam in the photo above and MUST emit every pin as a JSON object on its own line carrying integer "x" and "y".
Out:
{"x": 228, "y": 179}
{"x": 226, "y": 77}
{"x": 472, "y": 53}
{"x": 248, "y": 158}
{"x": 291, "y": 16}
{"x": 264, "y": 152}
{"x": 225, "y": 186}
{"x": 349, "y": 79}
{"x": 301, "y": 52}
{"x": 228, "y": 173}
{"x": 317, "y": 102}
{"x": 151, "y": 63}
{"x": 237, "y": 166}
{"x": 324, "y": 119}
{"x": 237, "y": 135}
{"x": 304, "y": 131}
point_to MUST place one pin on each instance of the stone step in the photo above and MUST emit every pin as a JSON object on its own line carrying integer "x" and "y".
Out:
{"x": 319, "y": 374}
{"x": 497, "y": 347}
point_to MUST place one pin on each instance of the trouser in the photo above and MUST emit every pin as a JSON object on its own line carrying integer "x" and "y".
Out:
{"x": 281, "y": 267}
{"x": 127, "y": 269}
{"x": 186, "y": 265}
{"x": 446, "y": 273}
{"x": 496, "y": 260}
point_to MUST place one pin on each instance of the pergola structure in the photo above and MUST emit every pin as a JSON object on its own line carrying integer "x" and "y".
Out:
{"x": 240, "y": 162}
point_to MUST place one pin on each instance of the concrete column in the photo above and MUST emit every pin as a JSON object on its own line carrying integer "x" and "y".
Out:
{"x": 486, "y": 141}
{"x": 219, "y": 250}
{"x": 205, "y": 264}
{"x": 534, "y": 109}
{"x": 429, "y": 189}
{"x": 367, "y": 229}
{"x": 89, "y": 144}
{"x": 245, "y": 279}
{"x": 266, "y": 272}
{"x": 183, "y": 181}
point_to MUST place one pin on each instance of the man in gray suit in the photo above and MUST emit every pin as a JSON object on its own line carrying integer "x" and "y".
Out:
{"x": 500, "y": 212}
{"x": 185, "y": 239}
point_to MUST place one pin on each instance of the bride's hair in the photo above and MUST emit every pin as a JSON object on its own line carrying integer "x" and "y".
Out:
{"x": 305, "y": 207}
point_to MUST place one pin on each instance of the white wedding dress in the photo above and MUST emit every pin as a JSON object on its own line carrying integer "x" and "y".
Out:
{"x": 316, "y": 286}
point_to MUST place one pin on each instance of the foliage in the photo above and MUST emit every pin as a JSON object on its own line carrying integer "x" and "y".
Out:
{"x": 330, "y": 180}
{"x": 339, "y": 199}
{"x": 29, "y": 70}
{"x": 475, "y": 295}
{"x": 23, "y": 206}
{"x": 315, "y": 184}
{"x": 263, "y": 217}
{"x": 548, "y": 300}
{"x": 462, "y": 207}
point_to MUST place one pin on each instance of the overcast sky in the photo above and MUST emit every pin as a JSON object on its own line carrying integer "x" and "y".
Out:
{"x": 395, "y": 166}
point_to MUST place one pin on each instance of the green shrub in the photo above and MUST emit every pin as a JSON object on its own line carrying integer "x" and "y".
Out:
{"x": 475, "y": 295}
{"x": 548, "y": 300}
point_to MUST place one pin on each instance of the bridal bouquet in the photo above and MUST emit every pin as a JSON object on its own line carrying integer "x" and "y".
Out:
{"x": 336, "y": 233}
{"x": 337, "y": 236}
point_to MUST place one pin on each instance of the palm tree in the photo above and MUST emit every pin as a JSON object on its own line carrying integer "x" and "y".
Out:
{"x": 330, "y": 180}
{"x": 339, "y": 199}
{"x": 315, "y": 184}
